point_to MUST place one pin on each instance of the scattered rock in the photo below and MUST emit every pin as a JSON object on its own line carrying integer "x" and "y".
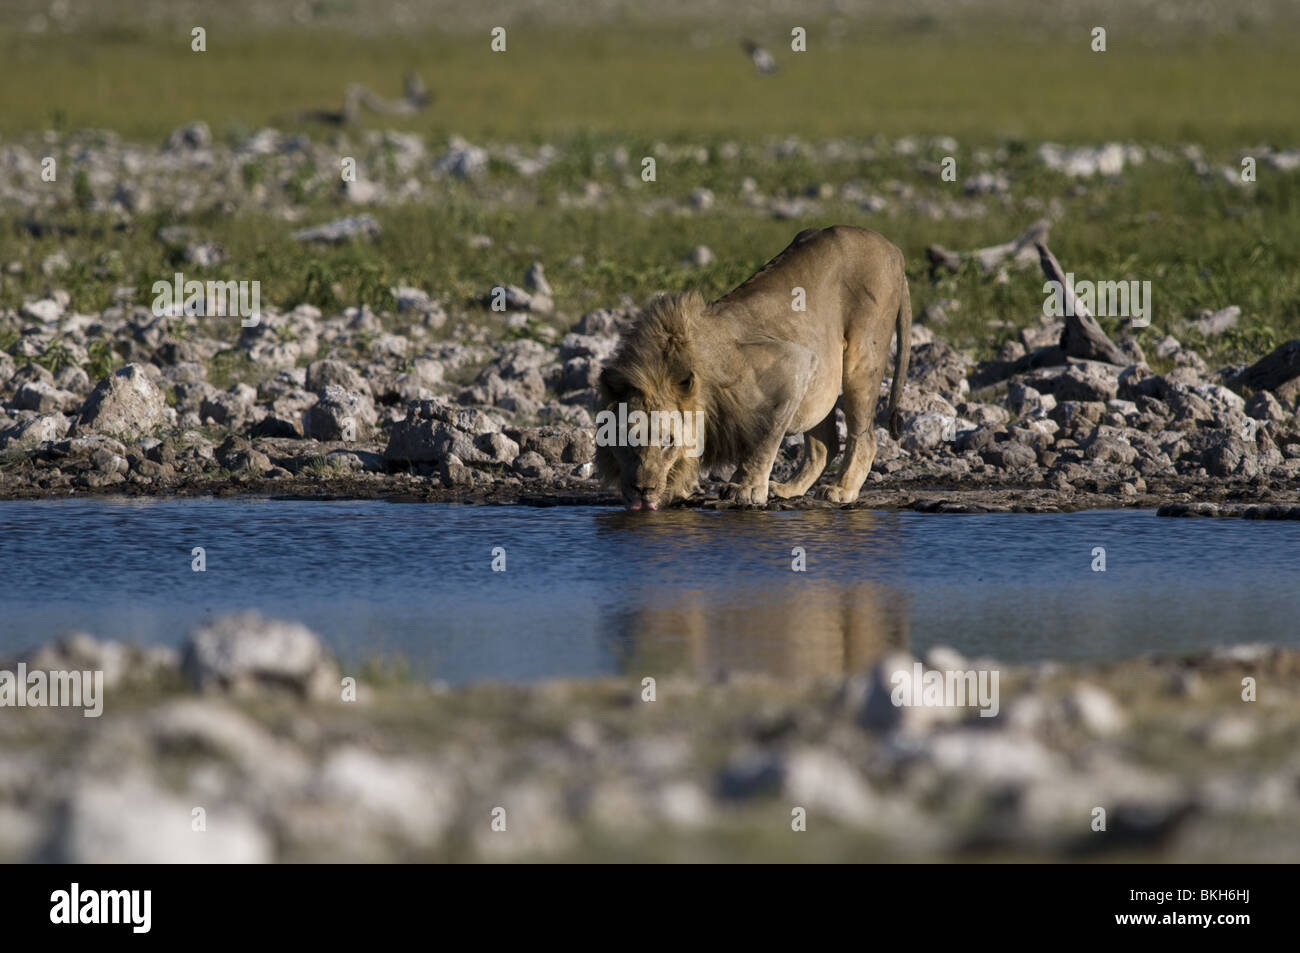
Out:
{"x": 135, "y": 821}
{"x": 246, "y": 653}
{"x": 1214, "y": 323}
{"x": 701, "y": 256}
{"x": 340, "y": 414}
{"x": 341, "y": 230}
{"x": 31, "y": 433}
{"x": 535, "y": 280}
{"x": 126, "y": 402}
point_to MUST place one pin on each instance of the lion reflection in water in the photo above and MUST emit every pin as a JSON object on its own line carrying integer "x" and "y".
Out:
{"x": 708, "y": 612}
{"x": 793, "y": 630}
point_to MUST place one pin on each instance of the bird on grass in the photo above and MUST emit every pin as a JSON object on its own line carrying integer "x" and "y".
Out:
{"x": 763, "y": 61}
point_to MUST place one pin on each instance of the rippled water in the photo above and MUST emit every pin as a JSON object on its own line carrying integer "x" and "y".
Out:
{"x": 590, "y": 590}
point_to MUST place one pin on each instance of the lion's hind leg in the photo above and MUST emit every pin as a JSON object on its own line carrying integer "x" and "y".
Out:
{"x": 863, "y": 369}
{"x": 820, "y": 445}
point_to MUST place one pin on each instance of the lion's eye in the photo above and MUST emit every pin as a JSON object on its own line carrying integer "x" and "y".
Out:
{"x": 688, "y": 380}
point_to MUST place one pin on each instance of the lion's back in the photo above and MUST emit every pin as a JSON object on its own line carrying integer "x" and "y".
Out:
{"x": 815, "y": 287}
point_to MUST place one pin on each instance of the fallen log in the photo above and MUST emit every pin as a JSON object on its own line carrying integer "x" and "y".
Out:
{"x": 1082, "y": 335}
{"x": 415, "y": 97}
{"x": 1020, "y": 250}
{"x": 1278, "y": 372}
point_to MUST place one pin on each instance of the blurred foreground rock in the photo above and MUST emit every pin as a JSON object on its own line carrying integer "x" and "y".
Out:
{"x": 251, "y": 746}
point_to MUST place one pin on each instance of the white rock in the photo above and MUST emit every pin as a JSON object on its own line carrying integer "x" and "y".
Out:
{"x": 136, "y": 822}
{"x": 246, "y": 651}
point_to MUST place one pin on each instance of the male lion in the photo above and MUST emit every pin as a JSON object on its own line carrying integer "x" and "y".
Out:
{"x": 757, "y": 369}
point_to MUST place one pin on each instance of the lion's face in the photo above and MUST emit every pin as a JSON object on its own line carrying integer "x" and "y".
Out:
{"x": 656, "y": 439}
{"x": 650, "y": 428}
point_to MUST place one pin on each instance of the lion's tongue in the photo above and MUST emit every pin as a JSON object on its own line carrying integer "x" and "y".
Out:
{"x": 634, "y": 505}
{"x": 651, "y": 505}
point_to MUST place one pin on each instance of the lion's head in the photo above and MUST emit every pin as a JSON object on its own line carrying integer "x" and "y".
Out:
{"x": 649, "y": 436}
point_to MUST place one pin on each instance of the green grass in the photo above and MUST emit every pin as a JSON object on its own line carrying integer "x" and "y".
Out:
{"x": 666, "y": 80}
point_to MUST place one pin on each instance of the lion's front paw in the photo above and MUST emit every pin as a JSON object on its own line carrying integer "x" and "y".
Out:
{"x": 747, "y": 494}
{"x": 782, "y": 491}
{"x": 837, "y": 494}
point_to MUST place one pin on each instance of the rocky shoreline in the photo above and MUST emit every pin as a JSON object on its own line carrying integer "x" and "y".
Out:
{"x": 323, "y": 419}
{"x": 250, "y": 744}
{"x": 1185, "y": 500}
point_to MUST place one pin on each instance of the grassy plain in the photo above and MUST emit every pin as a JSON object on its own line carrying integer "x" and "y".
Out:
{"x": 1200, "y": 240}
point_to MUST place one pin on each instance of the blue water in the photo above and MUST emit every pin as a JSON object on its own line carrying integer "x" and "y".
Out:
{"x": 590, "y": 590}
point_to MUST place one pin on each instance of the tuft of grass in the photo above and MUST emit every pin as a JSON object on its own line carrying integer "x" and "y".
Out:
{"x": 55, "y": 357}
{"x": 232, "y": 366}
{"x": 323, "y": 468}
{"x": 386, "y": 671}
{"x": 102, "y": 360}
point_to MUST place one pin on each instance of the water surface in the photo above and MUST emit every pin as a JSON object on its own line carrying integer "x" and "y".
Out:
{"x": 589, "y": 590}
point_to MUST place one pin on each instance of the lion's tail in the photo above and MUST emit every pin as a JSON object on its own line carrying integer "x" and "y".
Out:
{"x": 903, "y": 327}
